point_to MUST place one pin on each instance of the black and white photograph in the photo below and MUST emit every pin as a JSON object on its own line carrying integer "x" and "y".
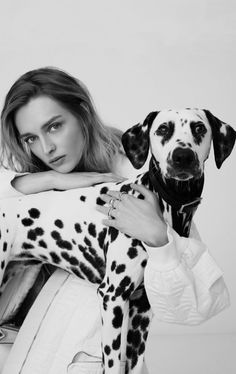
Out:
{"x": 117, "y": 187}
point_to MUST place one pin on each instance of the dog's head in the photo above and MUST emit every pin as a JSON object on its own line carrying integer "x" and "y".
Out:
{"x": 179, "y": 141}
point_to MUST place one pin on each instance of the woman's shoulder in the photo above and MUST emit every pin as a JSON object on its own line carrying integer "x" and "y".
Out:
{"x": 122, "y": 166}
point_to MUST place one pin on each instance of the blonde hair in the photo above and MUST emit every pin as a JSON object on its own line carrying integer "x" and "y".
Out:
{"x": 102, "y": 142}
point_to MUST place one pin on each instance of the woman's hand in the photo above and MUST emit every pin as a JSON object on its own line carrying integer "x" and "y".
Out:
{"x": 141, "y": 219}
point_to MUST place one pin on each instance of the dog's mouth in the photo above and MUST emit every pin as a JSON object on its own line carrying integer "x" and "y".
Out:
{"x": 183, "y": 165}
{"x": 182, "y": 175}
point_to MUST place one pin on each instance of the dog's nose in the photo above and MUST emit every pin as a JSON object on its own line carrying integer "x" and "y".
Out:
{"x": 183, "y": 157}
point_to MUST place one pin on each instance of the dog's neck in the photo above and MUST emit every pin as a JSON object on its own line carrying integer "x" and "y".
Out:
{"x": 183, "y": 196}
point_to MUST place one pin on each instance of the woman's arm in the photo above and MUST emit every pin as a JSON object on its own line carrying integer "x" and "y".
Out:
{"x": 184, "y": 285}
{"x": 14, "y": 184}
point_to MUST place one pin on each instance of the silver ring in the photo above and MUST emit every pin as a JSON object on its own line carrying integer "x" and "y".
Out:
{"x": 112, "y": 202}
{"x": 120, "y": 195}
{"x": 109, "y": 212}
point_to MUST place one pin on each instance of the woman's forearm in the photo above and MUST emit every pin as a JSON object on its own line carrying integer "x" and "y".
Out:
{"x": 49, "y": 180}
{"x": 34, "y": 183}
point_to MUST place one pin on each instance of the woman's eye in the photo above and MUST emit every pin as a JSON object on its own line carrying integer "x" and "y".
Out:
{"x": 54, "y": 126}
{"x": 162, "y": 129}
{"x": 29, "y": 140}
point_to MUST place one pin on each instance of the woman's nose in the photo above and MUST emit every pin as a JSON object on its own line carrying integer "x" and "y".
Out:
{"x": 48, "y": 146}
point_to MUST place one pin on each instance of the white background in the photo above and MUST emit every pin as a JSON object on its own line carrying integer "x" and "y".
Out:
{"x": 135, "y": 57}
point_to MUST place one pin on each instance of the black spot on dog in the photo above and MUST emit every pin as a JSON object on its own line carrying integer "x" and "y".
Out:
{"x": 141, "y": 348}
{"x": 116, "y": 343}
{"x": 92, "y": 230}
{"x": 103, "y": 190}
{"x": 134, "y": 360}
{"x": 144, "y": 263}
{"x": 144, "y": 323}
{"x": 81, "y": 248}
{"x": 97, "y": 261}
{"x": 83, "y": 198}
{"x": 89, "y": 273}
{"x": 4, "y": 248}
{"x": 27, "y": 221}
{"x": 145, "y": 335}
{"x": 134, "y": 337}
{"x": 126, "y": 294}
{"x": 107, "y": 350}
{"x": 113, "y": 233}
{"x": 34, "y": 213}
{"x": 87, "y": 241}
{"x": 76, "y": 271}
{"x": 120, "y": 269}
{"x": 136, "y": 321}
{"x": 111, "y": 288}
{"x": 113, "y": 265}
{"x": 71, "y": 259}
{"x": 55, "y": 235}
{"x": 42, "y": 244}
{"x": 110, "y": 363}
{"x": 118, "y": 317}
{"x": 43, "y": 257}
{"x": 132, "y": 252}
{"x": 135, "y": 242}
{"x": 101, "y": 237}
{"x": 126, "y": 188}
{"x": 55, "y": 258}
{"x": 64, "y": 244}
{"x": 32, "y": 234}
{"x": 78, "y": 228}
{"x": 59, "y": 223}
{"x": 99, "y": 201}
{"x": 27, "y": 246}
{"x": 2, "y": 264}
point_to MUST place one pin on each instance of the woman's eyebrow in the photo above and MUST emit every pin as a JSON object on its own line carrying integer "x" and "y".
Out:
{"x": 46, "y": 124}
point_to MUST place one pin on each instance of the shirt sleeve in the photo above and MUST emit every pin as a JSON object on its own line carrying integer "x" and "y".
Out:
{"x": 6, "y": 188}
{"x": 184, "y": 284}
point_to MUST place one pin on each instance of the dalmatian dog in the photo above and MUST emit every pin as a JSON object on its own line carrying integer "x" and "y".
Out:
{"x": 64, "y": 228}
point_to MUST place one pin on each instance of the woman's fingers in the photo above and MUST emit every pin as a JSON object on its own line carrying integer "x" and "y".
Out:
{"x": 149, "y": 195}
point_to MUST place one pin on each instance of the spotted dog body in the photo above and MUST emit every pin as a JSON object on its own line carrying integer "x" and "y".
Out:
{"x": 65, "y": 229}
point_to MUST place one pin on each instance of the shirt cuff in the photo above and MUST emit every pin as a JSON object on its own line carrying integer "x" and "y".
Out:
{"x": 165, "y": 258}
{"x": 6, "y": 188}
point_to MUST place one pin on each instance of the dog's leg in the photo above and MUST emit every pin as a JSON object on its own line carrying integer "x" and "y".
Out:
{"x": 140, "y": 316}
{"x": 124, "y": 273}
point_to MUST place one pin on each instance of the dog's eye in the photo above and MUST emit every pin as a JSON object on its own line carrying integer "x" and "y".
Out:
{"x": 162, "y": 129}
{"x": 199, "y": 128}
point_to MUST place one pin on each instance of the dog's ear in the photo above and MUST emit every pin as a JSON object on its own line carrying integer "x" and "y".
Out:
{"x": 136, "y": 141}
{"x": 223, "y": 138}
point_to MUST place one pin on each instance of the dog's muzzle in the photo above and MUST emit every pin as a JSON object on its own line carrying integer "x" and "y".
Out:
{"x": 183, "y": 164}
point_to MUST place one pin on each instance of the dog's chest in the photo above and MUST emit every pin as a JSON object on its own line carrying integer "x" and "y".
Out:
{"x": 179, "y": 221}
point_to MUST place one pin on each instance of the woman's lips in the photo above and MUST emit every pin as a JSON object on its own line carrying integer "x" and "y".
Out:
{"x": 57, "y": 160}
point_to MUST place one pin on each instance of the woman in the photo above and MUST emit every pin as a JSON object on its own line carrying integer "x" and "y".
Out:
{"x": 52, "y": 138}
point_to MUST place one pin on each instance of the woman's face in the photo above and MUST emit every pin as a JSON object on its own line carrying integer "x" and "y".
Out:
{"x": 51, "y": 132}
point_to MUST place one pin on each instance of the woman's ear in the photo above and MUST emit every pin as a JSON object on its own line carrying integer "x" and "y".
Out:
{"x": 223, "y": 137}
{"x": 136, "y": 141}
